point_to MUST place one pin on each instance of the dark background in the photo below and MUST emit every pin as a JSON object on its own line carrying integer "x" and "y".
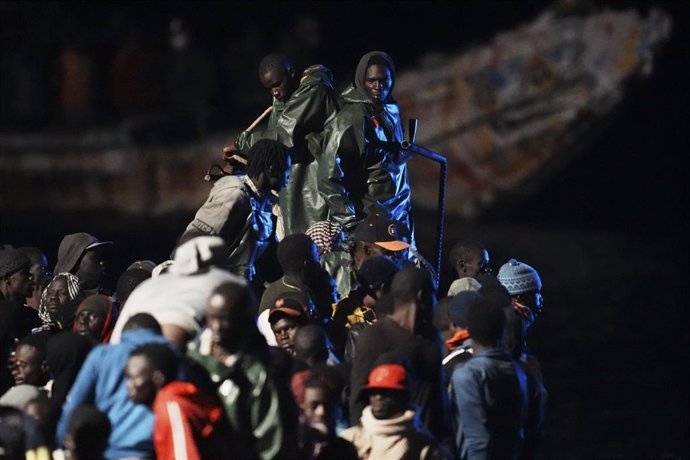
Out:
{"x": 608, "y": 233}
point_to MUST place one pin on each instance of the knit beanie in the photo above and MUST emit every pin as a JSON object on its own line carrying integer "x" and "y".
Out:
{"x": 518, "y": 277}
{"x": 102, "y": 306}
{"x": 12, "y": 260}
{"x": 459, "y": 307}
{"x": 97, "y": 303}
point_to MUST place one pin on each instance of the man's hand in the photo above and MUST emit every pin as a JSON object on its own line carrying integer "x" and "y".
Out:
{"x": 229, "y": 151}
{"x": 234, "y": 159}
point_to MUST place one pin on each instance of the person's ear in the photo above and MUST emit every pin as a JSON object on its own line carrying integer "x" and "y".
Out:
{"x": 158, "y": 379}
{"x": 44, "y": 367}
{"x": 271, "y": 171}
{"x": 261, "y": 180}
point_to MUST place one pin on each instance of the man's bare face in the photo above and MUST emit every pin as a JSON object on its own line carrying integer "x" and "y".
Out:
{"x": 285, "y": 330}
{"x": 473, "y": 264}
{"x": 319, "y": 409}
{"x": 377, "y": 83}
{"x": 141, "y": 388}
{"x": 20, "y": 283}
{"x": 279, "y": 82}
{"x": 57, "y": 296}
{"x": 29, "y": 368}
{"x": 386, "y": 403}
{"x": 92, "y": 268}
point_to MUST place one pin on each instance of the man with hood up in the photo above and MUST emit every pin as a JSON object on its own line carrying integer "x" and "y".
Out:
{"x": 361, "y": 172}
{"x": 302, "y": 105}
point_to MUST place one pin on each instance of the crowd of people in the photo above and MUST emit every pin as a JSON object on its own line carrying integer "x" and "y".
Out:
{"x": 339, "y": 350}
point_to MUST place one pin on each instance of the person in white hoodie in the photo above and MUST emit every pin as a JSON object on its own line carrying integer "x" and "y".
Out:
{"x": 177, "y": 298}
{"x": 388, "y": 428}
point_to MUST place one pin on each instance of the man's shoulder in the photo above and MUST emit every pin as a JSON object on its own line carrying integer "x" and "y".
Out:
{"x": 378, "y": 334}
{"x": 276, "y": 284}
{"x": 232, "y": 190}
{"x": 350, "y": 112}
{"x": 133, "y": 338}
{"x": 176, "y": 391}
{"x": 178, "y": 397}
{"x": 484, "y": 364}
{"x": 352, "y": 433}
{"x": 217, "y": 371}
{"x": 388, "y": 326}
{"x": 99, "y": 352}
{"x": 423, "y": 437}
{"x": 317, "y": 76}
{"x": 273, "y": 290}
{"x": 254, "y": 369}
{"x": 231, "y": 182}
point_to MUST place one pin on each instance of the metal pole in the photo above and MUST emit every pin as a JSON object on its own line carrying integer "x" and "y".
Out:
{"x": 443, "y": 163}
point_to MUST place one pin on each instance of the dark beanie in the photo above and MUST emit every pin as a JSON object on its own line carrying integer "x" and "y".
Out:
{"x": 96, "y": 303}
{"x": 460, "y": 305}
{"x": 128, "y": 281}
{"x": 12, "y": 260}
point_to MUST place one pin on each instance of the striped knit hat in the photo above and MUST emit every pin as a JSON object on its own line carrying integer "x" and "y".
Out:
{"x": 518, "y": 277}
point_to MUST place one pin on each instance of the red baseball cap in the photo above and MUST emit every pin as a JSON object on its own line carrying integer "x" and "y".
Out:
{"x": 387, "y": 376}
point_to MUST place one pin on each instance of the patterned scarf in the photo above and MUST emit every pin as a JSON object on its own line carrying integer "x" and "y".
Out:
{"x": 326, "y": 235}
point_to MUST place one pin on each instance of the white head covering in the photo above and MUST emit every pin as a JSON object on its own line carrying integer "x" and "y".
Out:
{"x": 198, "y": 253}
{"x": 464, "y": 284}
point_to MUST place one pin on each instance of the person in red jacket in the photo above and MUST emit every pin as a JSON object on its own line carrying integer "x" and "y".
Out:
{"x": 188, "y": 424}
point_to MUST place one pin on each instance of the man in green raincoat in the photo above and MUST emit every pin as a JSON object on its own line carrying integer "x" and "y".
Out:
{"x": 362, "y": 172}
{"x": 301, "y": 107}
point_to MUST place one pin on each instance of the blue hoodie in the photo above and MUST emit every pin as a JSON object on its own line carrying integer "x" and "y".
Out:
{"x": 101, "y": 382}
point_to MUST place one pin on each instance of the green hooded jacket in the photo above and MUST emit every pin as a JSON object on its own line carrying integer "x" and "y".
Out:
{"x": 298, "y": 124}
{"x": 359, "y": 176}
{"x": 251, "y": 403}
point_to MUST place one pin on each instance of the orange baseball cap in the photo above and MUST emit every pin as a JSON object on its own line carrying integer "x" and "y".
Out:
{"x": 286, "y": 306}
{"x": 381, "y": 231}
